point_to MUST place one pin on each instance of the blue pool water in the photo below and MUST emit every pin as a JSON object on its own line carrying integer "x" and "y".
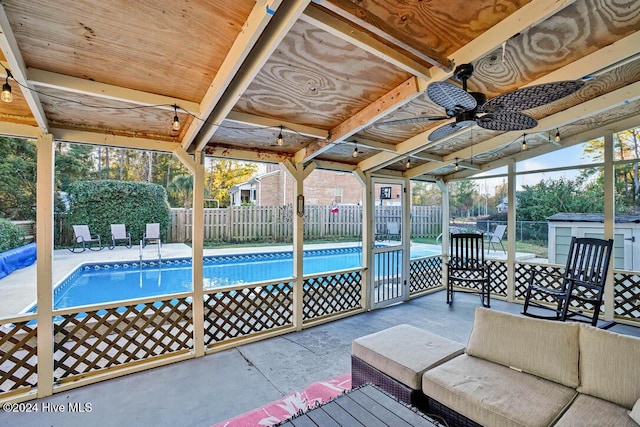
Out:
{"x": 100, "y": 283}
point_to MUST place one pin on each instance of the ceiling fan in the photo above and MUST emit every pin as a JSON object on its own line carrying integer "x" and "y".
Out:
{"x": 502, "y": 113}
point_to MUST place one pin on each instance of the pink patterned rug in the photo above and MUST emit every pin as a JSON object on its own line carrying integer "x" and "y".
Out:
{"x": 283, "y": 409}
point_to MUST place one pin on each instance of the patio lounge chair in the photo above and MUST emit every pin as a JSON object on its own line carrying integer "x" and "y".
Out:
{"x": 152, "y": 235}
{"x": 119, "y": 233}
{"x": 581, "y": 284}
{"x": 84, "y": 240}
{"x": 497, "y": 236}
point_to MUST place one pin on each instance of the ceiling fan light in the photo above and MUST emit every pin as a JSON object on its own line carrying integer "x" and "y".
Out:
{"x": 6, "y": 95}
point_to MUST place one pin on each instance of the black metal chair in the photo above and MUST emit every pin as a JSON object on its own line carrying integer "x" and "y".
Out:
{"x": 467, "y": 270}
{"x": 580, "y": 287}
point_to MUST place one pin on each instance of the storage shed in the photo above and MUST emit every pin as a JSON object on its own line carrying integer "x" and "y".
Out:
{"x": 562, "y": 226}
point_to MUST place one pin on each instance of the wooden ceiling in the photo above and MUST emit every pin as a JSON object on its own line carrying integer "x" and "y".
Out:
{"x": 323, "y": 73}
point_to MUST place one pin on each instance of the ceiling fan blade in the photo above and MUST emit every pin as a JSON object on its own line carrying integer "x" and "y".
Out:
{"x": 507, "y": 121}
{"x": 451, "y": 97}
{"x": 532, "y": 97}
{"x": 448, "y": 129}
{"x": 412, "y": 120}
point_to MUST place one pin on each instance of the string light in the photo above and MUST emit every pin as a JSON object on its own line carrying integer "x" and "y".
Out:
{"x": 408, "y": 164}
{"x": 6, "y": 94}
{"x": 456, "y": 167}
{"x": 355, "y": 151}
{"x": 280, "y": 139}
{"x": 557, "y": 137}
{"x": 524, "y": 141}
{"x": 176, "y": 122}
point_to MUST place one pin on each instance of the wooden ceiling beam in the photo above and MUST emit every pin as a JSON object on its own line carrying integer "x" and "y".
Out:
{"x": 19, "y": 130}
{"x": 12, "y": 53}
{"x": 109, "y": 140}
{"x": 245, "y": 155}
{"x": 251, "y": 31}
{"x": 106, "y": 91}
{"x": 395, "y": 98}
{"x": 289, "y": 127}
{"x": 367, "y": 20}
{"x": 334, "y": 166}
{"x": 249, "y": 53}
{"x": 319, "y": 18}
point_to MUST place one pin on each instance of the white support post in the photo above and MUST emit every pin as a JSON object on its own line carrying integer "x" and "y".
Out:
{"x": 299, "y": 173}
{"x": 511, "y": 230}
{"x": 406, "y": 236}
{"x": 444, "y": 189}
{"x": 44, "y": 266}
{"x": 197, "y": 247}
{"x": 609, "y": 222}
{"x": 368, "y": 237}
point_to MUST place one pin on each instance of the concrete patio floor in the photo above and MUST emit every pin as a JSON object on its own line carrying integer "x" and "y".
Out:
{"x": 213, "y": 388}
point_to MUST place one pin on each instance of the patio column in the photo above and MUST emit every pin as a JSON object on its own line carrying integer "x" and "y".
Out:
{"x": 196, "y": 167}
{"x": 444, "y": 189}
{"x": 609, "y": 222}
{"x": 299, "y": 173}
{"x": 44, "y": 265}
{"x": 197, "y": 248}
{"x": 511, "y": 230}
{"x": 368, "y": 239}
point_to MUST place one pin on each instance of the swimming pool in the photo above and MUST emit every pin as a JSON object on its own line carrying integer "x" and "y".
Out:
{"x": 105, "y": 282}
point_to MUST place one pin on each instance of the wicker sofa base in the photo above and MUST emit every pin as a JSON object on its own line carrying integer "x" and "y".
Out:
{"x": 363, "y": 373}
{"x": 439, "y": 411}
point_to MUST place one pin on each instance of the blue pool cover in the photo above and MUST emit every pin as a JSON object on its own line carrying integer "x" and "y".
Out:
{"x": 14, "y": 259}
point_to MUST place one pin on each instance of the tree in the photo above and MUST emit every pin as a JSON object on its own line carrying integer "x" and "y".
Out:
{"x": 425, "y": 194}
{"x": 461, "y": 197}
{"x": 548, "y": 197}
{"x": 180, "y": 191}
{"x": 627, "y": 177}
{"x": 224, "y": 174}
{"x": 17, "y": 178}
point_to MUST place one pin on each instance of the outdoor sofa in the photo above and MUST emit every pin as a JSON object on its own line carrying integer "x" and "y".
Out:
{"x": 514, "y": 371}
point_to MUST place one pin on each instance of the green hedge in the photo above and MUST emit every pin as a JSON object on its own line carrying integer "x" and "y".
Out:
{"x": 101, "y": 203}
{"x": 11, "y": 235}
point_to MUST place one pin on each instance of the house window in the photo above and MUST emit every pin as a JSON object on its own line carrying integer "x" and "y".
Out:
{"x": 337, "y": 195}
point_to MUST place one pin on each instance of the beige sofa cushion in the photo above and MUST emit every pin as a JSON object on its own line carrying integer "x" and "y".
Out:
{"x": 540, "y": 347}
{"x": 404, "y": 352}
{"x": 591, "y": 411}
{"x": 609, "y": 366}
{"x": 495, "y": 395}
{"x": 635, "y": 412}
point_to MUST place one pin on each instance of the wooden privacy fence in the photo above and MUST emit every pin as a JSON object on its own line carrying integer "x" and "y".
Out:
{"x": 275, "y": 223}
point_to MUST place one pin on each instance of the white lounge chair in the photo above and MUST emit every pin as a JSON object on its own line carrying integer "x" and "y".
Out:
{"x": 119, "y": 233}
{"x": 497, "y": 236}
{"x": 84, "y": 240}
{"x": 152, "y": 235}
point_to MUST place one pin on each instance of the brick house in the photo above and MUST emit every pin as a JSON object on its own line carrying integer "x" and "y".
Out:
{"x": 275, "y": 187}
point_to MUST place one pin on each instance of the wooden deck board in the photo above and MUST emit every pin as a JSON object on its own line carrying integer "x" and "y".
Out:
{"x": 365, "y": 406}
